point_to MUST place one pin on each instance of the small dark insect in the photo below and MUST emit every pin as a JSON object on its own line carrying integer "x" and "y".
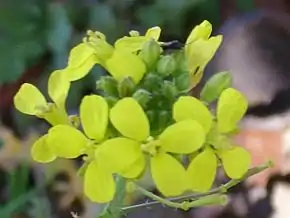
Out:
{"x": 172, "y": 45}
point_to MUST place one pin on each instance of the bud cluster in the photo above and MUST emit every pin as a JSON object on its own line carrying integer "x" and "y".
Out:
{"x": 165, "y": 80}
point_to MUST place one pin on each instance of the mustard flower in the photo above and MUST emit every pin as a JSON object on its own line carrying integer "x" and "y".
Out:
{"x": 199, "y": 49}
{"x": 135, "y": 42}
{"x": 29, "y": 100}
{"x": 185, "y": 137}
{"x": 235, "y": 160}
{"x": 96, "y": 50}
{"x": 68, "y": 142}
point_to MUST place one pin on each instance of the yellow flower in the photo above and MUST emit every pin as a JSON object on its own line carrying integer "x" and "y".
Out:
{"x": 96, "y": 50}
{"x": 199, "y": 50}
{"x": 29, "y": 99}
{"x": 235, "y": 160}
{"x": 68, "y": 142}
{"x": 135, "y": 42}
{"x": 181, "y": 138}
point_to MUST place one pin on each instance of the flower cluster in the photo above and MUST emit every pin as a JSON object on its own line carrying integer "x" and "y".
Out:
{"x": 145, "y": 117}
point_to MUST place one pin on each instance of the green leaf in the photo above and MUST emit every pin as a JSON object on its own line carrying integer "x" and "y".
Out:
{"x": 236, "y": 162}
{"x": 202, "y": 170}
{"x": 232, "y": 106}
{"x": 214, "y": 86}
{"x": 12, "y": 66}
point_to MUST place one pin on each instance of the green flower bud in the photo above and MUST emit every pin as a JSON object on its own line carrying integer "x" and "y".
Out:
{"x": 152, "y": 82}
{"x": 215, "y": 86}
{"x": 150, "y": 52}
{"x": 108, "y": 85}
{"x": 151, "y": 115}
{"x": 142, "y": 96}
{"x": 163, "y": 118}
{"x": 169, "y": 90}
{"x": 126, "y": 87}
{"x": 182, "y": 81}
{"x": 111, "y": 101}
{"x": 180, "y": 61}
{"x": 166, "y": 65}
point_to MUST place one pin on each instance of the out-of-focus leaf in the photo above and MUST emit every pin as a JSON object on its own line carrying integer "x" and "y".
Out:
{"x": 22, "y": 37}
{"x": 102, "y": 18}
{"x": 59, "y": 33}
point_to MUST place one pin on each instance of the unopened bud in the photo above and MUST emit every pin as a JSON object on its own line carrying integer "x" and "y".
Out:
{"x": 150, "y": 52}
{"x": 182, "y": 81}
{"x": 108, "y": 85}
{"x": 152, "y": 82}
{"x": 169, "y": 90}
{"x": 142, "y": 96}
{"x": 126, "y": 87}
{"x": 163, "y": 117}
{"x": 215, "y": 86}
{"x": 166, "y": 65}
{"x": 111, "y": 101}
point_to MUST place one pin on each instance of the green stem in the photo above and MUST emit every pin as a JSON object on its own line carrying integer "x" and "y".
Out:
{"x": 114, "y": 208}
{"x": 208, "y": 200}
{"x": 198, "y": 199}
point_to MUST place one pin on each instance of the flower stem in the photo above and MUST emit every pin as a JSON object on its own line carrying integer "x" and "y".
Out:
{"x": 114, "y": 208}
{"x": 212, "y": 197}
{"x": 215, "y": 199}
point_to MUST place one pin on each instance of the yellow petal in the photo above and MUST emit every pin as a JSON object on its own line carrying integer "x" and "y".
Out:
{"x": 183, "y": 137}
{"x": 135, "y": 170}
{"x": 94, "y": 114}
{"x": 168, "y": 174}
{"x": 187, "y": 107}
{"x": 58, "y": 87}
{"x": 231, "y": 108}
{"x": 79, "y": 55}
{"x": 41, "y": 152}
{"x": 66, "y": 141}
{"x": 201, "y": 31}
{"x": 202, "y": 51}
{"x": 130, "y": 44}
{"x": 199, "y": 54}
{"x": 202, "y": 170}
{"x": 196, "y": 77}
{"x": 153, "y": 33}
{"x": 29, "y": 99}
{"x": 76, "y": 73}
{"x": 99, "y": 185}
{"x": 118, "y": 154}
{"x": 130, "y": 120}
{"x": 236, "y": 162}
{"x": 55, "y": 115}
{"x": 125, "y": 64}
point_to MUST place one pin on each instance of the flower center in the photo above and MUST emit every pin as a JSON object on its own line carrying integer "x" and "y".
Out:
{"x": 43, "y": 109}
{"x": 151, "y": 146}
{"x": 97, "y": 41}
